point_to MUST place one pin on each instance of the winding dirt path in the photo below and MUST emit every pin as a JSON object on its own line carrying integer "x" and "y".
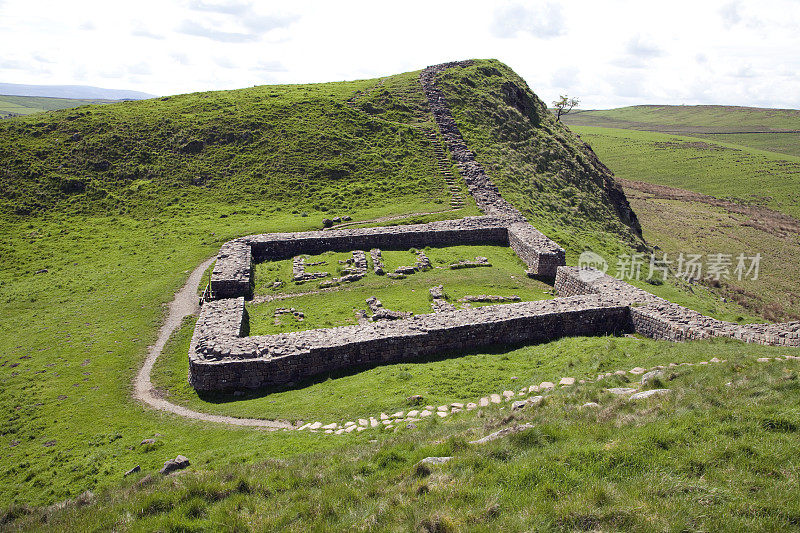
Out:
{"x": 184, "y": 304}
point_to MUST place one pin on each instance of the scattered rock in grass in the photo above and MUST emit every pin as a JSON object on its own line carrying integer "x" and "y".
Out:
{"x": 133, "y": 470}
{"x": 147, "y": 441}
{"x": 649, "y": 393}
{"x": 546, "y": 385}
{"x": 411, "y": 425}
{"x": 638, "y": 370}
{"x": 566, "y": 382}
{"x": 590, "y": 405}
{"x": 651, "y": 376}
{"x": 327, "y": 223}
{"x": 41, "y": 271}
{"x": 179, "y": 463}
{"x": 502, "y": 433}
{"x": 434, "y": 460}
{"x": 415, "y": 399}
{"x": 763, "y": 360}
{"x": 519, "y": 404}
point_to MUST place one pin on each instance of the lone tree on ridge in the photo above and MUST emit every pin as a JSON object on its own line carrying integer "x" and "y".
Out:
{"x": 564, "y": 105}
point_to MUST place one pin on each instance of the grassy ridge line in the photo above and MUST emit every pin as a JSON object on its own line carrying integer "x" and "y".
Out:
{"x": 690, "y": 119}
{"x": 294, "y": 144}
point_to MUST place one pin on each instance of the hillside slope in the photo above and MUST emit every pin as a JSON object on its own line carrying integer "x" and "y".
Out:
{"x": 106, "y": 209}
{"x": 537, "y": 163}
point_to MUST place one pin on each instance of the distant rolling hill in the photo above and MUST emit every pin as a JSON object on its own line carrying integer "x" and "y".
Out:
{"x": 776, "y": 130}
{"x": 18, "y": 99}
{"x": 12, "y": 106}
{"x": 72, "y": 91}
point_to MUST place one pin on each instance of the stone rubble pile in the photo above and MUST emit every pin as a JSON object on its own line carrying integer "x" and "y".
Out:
{"x": 478, "y": 262}
{"x": 487, "y": 298}
{"x": 280, "y": 311}
{"x": 381, "y": 313}
{"x": 439, "y": 303}
{"x": 377, "y": 261}
{"x": 299, "y": 273}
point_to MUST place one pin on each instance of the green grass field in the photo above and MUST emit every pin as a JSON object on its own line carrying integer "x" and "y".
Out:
{"x": 753, "y": 127}
{"x": 751, "y": 173}
{"x": 92, "y": 252}
{"x": 718, "y": 169}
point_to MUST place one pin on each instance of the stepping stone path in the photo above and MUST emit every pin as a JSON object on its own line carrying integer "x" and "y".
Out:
{"x": 394, "y": 421}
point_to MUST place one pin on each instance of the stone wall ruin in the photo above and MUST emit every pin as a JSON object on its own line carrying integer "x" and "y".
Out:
{"x": 223, "y": 357}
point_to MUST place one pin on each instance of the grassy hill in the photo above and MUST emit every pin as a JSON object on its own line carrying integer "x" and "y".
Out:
{"x": 12, "y": 106}
{"x": 776, "y": 130}
{"x": 106, "y": 209}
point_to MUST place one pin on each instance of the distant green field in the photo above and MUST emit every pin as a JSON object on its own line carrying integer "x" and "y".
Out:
{"x": 776, "y": 130}
{"x": 718, "y": 169}
{"x": 11, "y": 106}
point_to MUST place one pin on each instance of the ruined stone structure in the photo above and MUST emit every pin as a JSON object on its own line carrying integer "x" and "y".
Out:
{"x": 590, "y": 303}
{"x": 220, "y": 358}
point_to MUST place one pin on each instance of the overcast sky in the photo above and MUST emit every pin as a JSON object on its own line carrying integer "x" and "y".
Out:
{"x": 609, "y": 53}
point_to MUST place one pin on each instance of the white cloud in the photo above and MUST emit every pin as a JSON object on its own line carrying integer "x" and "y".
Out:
{"x": 608, "y": 54}
{"x": 544, "y": 20}
{"x": 730, "y": 14}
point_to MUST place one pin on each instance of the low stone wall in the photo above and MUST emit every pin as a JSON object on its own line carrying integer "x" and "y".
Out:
{"x": 542, "y": 255}
{"x": 220, "y": 359}
{"x": 232, "y": 275}
{"x": 657, "y": 318}
{"x": 591, "y": 303}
